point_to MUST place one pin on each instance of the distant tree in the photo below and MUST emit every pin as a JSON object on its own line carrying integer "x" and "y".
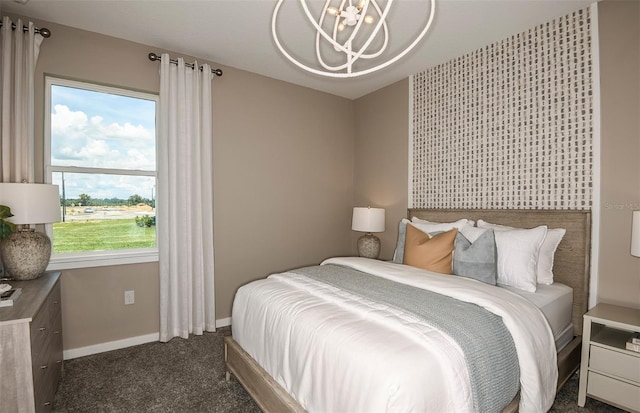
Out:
{"x": 135, "y": 200}
{"x": 85, "y": 199}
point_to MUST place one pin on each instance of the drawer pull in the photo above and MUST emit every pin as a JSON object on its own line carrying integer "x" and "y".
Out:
{"x": 46, "y": 404}
{"x": 58, "y": 361}
{"x": 55, "y": 302}
{"x": 44, "y": 367}
{"x": 56, "y": 332}
{"x": 42, "y": 328}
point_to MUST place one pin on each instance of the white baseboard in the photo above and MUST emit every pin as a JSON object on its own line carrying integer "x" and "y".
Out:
{"x": 108, "y": 346}
{"x": 124, "y": 343}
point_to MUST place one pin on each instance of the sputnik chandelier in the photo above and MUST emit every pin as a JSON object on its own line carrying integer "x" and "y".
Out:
{"x": 347, "y": 31}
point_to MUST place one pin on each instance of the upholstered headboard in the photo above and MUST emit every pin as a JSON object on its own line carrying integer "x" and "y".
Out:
{"x": 572, "y": 259}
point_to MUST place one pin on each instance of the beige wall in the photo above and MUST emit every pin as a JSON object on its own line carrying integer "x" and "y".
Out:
{"x": 380, "y": 181}
{"x": 93, "y": 310}
{"x": 381, "y": 171}
{"x": 283, "y": 179}
{"x": 283, "y": 184}
{"x": 619, "y": 272}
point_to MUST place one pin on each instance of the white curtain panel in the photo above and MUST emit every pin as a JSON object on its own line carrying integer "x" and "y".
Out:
{"x": 19, "y": 56}
{"x": 185, "y": 201}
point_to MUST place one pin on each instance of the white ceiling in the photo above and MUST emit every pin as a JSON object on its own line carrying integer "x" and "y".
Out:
{"x": 237, "y": 33}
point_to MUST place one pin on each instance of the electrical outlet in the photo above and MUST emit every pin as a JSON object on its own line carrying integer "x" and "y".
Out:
{"x": 129, "y": 297}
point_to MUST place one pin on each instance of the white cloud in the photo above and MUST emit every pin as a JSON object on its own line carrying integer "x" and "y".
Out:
{"x": 128, "y": 131}
{"x": 79, "y": 141}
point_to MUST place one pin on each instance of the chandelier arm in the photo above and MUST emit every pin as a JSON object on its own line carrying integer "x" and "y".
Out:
{"x": 286, "y": 54}
{"x": 337, "y": 46}
{"x": 335, "y": 29}
{"x": 346, "y": 47}
{"x": 356, "y": 29}
{"x": 363, "y": 56}
{"x": 408, "y": 49}
{"x": 330, "y": 40}
{"x": 351, "y": 56}
{"x": 375, "y": 31}
{"x": 336, "y": 22}
{"x": 386, "y": 35}
{"x": 319, "y": 30}
{"x": 320, "y": 22}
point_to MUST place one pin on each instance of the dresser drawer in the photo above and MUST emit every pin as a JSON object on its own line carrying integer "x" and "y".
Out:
{"x": 53, "y": 303}
{"x": 610, "y": 362}
{"x": 43, "y": 390}
{"x": 43, "y": 358}
{"x": 611, "y": 390}
{"x": 40, "y": 327}
{"x": 46, "y": 375}
{"x": 46, "y": 384}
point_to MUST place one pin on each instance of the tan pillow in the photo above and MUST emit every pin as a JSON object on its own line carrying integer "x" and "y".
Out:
{"x": 433, "y": 254}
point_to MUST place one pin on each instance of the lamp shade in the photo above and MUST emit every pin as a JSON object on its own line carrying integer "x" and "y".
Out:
{"x": 31, "y": 203}
{"x": 367, "y": 219}
{"x": 635, "y": 234}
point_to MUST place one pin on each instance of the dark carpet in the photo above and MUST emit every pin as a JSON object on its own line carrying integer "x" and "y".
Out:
{"x": 187, "y": 376}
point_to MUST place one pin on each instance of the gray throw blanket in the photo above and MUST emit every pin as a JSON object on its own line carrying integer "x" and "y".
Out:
{"x": 488, "y": 347}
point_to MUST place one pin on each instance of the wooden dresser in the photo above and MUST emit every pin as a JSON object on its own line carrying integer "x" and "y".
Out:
{"x": 31, "y": 346}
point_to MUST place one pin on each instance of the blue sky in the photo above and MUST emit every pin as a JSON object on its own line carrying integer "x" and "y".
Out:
{"x": 96, "y": 129}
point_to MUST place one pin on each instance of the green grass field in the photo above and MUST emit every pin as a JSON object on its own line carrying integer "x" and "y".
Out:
{"x": 103, "y": 235}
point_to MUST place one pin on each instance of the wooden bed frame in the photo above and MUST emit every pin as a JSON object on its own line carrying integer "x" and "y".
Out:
{"x": 571, "y": 267}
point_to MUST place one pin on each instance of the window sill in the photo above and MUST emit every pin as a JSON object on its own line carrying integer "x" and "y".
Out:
{"x": 102, "y": 259}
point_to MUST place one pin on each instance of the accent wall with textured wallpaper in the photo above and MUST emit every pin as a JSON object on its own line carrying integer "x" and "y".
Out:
{"x": 509, "y": 125}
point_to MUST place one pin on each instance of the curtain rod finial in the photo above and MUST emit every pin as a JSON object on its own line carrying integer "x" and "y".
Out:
{"x": 153, "y": 57}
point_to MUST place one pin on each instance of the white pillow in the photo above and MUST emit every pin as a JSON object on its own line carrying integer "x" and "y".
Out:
{"x": 518, "y": 251}
{"x": 472, "y": 233}
{"x": 547, "y": 255}
{"x": 544, "y": 272}
{"x": 429, "y": 227}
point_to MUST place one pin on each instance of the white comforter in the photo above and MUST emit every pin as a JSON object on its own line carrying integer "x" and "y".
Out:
{"x": 328, "y": 348}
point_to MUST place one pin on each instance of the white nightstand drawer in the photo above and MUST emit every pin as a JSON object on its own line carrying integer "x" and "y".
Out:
{"x": 615, "y": 363}
{"x": 611, "y": 390}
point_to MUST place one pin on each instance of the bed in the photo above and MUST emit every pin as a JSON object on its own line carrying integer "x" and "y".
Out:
{"x": 571, "y": 269}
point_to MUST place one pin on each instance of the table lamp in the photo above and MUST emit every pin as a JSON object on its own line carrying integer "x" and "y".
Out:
{"x": 25, "y": 253}
{"x": 368, "y": 220}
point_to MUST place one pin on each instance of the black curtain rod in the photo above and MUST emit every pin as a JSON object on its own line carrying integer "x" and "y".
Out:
{"x": 153, "y": 57}
{"x": 44, "y": 32}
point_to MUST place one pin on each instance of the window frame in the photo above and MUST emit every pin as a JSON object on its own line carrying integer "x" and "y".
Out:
{"x": 95, "y": 258}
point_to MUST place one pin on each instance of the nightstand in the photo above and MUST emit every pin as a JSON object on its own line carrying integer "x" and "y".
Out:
{"x": 608, "y": 371}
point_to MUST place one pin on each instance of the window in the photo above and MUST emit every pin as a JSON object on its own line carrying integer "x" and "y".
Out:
{"x": 100, "y": 149}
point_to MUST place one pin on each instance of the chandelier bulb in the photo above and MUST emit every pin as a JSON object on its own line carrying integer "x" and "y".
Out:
{"x": 333, "y": 11}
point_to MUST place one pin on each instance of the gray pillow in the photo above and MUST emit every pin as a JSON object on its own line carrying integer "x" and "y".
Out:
{"x": 398, "y": 255}
{"x": 477, "y": 260}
